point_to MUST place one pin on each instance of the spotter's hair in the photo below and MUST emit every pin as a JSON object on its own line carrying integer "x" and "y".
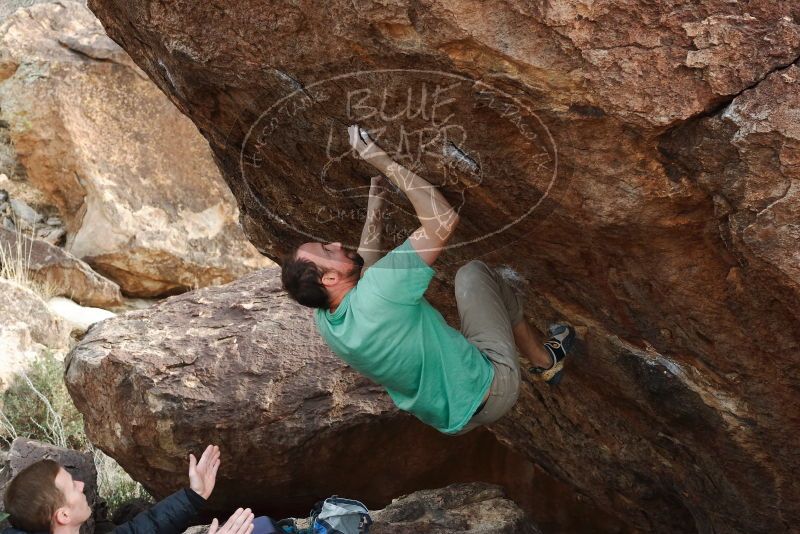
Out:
{"x": 32, "y": 497}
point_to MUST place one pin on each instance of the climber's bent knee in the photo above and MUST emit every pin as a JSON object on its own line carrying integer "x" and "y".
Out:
{"x": 469, "y": 273}
{"x": 470, "y": 276}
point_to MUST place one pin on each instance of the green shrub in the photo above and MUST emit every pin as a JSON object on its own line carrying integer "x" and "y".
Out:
{"x": 37, "y": 406}
{"x": 114, "y": 484}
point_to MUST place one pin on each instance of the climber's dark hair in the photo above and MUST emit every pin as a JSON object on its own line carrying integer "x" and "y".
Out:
{"x": 302, "y": 279}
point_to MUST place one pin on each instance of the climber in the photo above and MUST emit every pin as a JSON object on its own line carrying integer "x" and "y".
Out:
{"x": 372, "y": 313}
{"x": 44, "y": 497}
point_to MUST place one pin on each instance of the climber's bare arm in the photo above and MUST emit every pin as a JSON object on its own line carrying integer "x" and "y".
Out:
{"x": 437, "y": 216}
{"x": 372, "y": 234}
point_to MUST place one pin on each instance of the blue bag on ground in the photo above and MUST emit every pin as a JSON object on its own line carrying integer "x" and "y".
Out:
{"x": 332, "y": 516}
{"x": 342, "y": 516}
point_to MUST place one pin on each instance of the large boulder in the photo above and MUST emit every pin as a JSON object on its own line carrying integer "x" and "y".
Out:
{"x": 80, "y": 465}
{"x": 141, "y": 197}
{"x": 241, "y": 366}
{"x": 634, "y": 161}
{"x": 60, "y": 272}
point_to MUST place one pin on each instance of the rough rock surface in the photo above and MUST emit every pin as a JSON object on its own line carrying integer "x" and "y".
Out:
{"x": 634, "y": 161}
{"x": 465, "y": 508}
{"x": 241, "y": 366}
{"x": 27, "y": 329}
{"x": 468, "y": 508}
{"x": 62, "y": 273}
{"x": 141, "y": 197}
{"x": 80, "y": 465}
{"x": 748, "y": 160}
{"x": 8, "y": 7}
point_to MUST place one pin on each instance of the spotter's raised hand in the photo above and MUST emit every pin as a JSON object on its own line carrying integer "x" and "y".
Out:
{"x": 203, "y": 474}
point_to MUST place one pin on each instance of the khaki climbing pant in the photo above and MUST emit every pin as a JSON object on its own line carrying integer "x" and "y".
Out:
{"x": 489, "y": 308}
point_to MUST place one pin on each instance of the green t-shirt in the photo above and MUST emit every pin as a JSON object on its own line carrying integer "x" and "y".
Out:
{"x": 386, "y": 330}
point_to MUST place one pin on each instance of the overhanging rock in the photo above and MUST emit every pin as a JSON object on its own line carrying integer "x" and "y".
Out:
{"x": 242, "y": 367}
{"x": 557, "y": 131}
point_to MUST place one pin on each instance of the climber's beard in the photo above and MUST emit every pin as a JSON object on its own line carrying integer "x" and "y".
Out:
{"x": 358, "y": 263}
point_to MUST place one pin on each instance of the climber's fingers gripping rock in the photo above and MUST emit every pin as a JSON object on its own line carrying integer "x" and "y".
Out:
{"x": 363, "y": 144}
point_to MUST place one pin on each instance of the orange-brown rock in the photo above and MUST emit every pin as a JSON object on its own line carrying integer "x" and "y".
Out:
{"x": 634, "y": 161}
{"x": 136, "y": 185}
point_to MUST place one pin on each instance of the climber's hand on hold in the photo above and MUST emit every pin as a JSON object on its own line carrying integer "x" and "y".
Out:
{"x": 364, "y": 146}
{"x": 437, "y": 217}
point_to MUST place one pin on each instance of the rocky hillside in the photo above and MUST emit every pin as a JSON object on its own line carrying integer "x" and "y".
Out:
{"x": 133, "y": 181}
{"x": 106, "y": 190}
{"x": 635, "y": 162}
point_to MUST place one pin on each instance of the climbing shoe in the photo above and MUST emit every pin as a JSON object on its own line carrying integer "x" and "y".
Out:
{"x": 560, "y": 340}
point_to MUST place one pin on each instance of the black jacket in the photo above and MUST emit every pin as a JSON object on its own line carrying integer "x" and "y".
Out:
{"x": 172, "y": 515}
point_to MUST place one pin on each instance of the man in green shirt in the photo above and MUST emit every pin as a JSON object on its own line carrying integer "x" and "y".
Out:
{"x": 372, "y": 313}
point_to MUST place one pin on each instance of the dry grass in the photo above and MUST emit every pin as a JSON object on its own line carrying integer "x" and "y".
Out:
{"x": 14, "y": 261}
